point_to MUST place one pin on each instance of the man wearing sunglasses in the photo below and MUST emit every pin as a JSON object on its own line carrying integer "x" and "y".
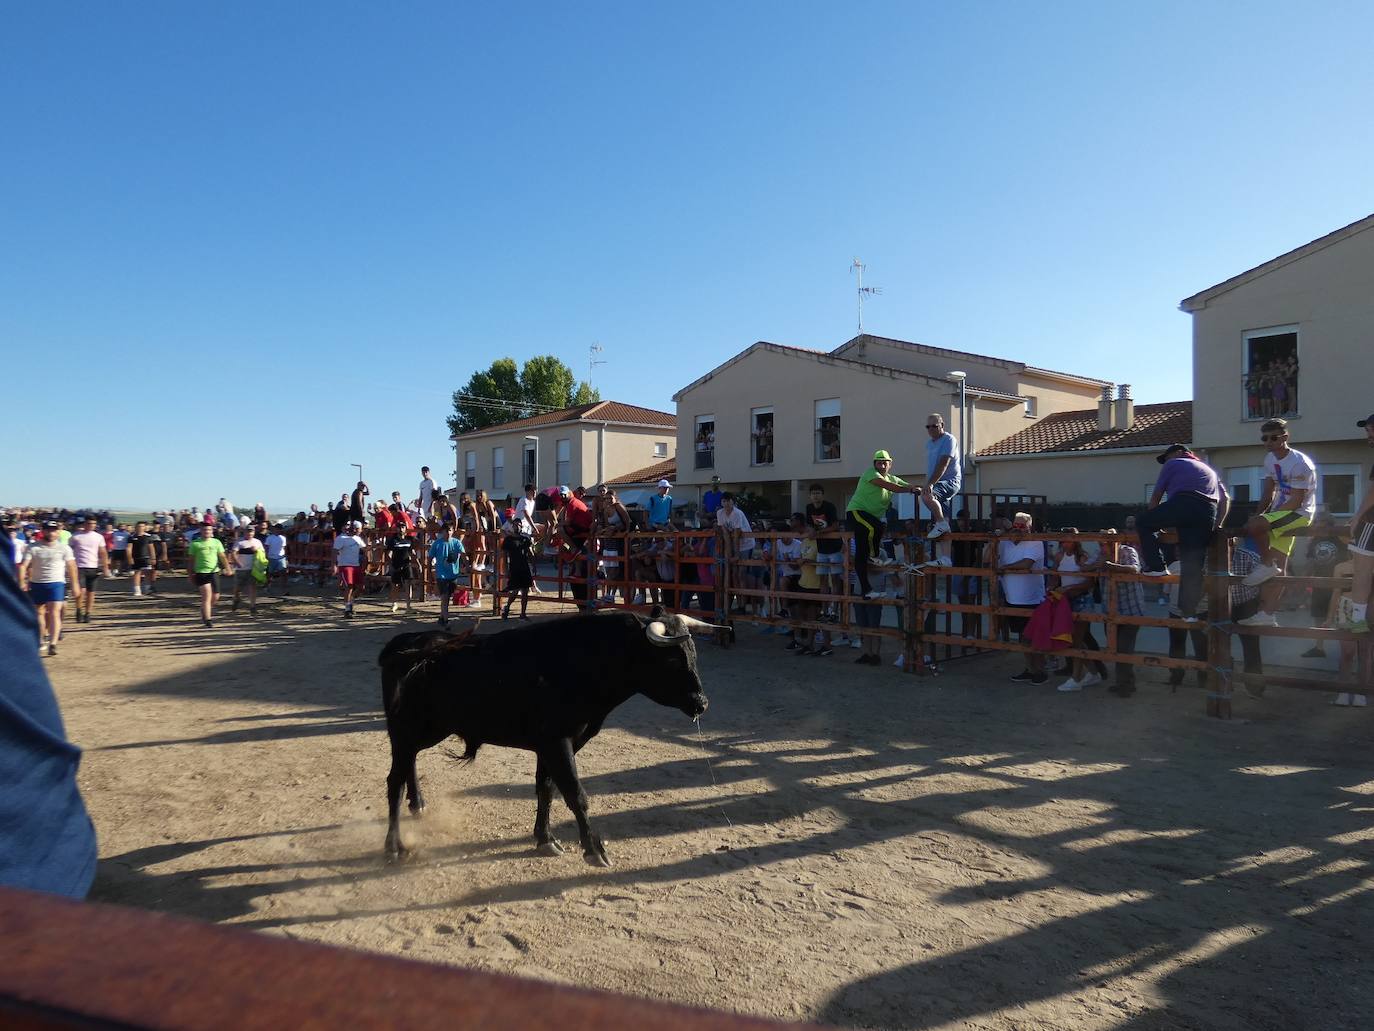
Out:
{"x": 944, "y": 474}
{"x": 1287, "y": 505}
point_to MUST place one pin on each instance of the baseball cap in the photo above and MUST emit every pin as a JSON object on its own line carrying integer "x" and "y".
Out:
{"x": 1170, "y": 451}
{"x": 881, "y": 456}
{"x": 1365, "y": 422}
{"x": 52, "y": 524}
{"x": 563, "y": 492}
{"x": 664, "y": 483}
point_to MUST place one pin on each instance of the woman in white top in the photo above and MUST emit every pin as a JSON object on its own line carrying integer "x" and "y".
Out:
{"x": 1079, "y": 590}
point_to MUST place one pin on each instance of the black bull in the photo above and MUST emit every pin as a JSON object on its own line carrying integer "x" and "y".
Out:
{"x": 547, "y": 687}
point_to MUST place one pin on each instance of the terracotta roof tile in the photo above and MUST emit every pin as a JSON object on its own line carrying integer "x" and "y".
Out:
{"x": 666, "y": 470}
{"x": 1154, "y": 426}
{"x": 597, "y": 411}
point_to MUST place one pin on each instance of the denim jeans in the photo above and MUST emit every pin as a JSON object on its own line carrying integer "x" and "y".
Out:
{"x": 1194, "y": 517}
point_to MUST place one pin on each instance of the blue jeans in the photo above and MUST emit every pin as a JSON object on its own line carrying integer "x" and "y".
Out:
{"x": 1194, "y": 517}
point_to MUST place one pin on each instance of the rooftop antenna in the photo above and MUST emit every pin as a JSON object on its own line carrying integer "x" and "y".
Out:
{"x": 593, "y": 361}
{"x": 857, "y": 267}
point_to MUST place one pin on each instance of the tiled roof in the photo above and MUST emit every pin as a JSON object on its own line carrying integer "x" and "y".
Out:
{"x": 666, "y": 470}
{"x": 597, "y": 411}
{"x": 1153, "y": 426}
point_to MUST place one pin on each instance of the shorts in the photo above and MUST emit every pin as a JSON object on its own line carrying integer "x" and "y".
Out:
{"x": 351, "y": 576}
{"x": 121, "y": 554}
{"x": 243, "y": 577}
{"x": 446, "y": 587}
{"x": 400, "y": 576}
{"x": 201, "y": 579}
{"x": 276, "y": 565}
{"x": 43, "y": 594}
{"x": 1081, "y": 602}
{"x": 88, "y": 578}
{"x": 1282, "y": 526}
{"x": 943, "y": 490}
{"x": 143, "y": 565}
{"x": 1017, "y": 624}
{"x": 1362, "y": 541}
{"x": 830, "y": 563}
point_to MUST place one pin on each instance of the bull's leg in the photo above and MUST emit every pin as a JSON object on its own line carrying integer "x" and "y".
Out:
{"x": 543, "y": 792}
{"x": 417, "y": 800}
{"x": 563, "y": 767}
{"x": 402, "y": 766}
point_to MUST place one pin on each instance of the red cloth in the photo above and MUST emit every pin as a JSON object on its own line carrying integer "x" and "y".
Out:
{"x": 384, "y": 519}
{"x": 1050, "y": 626}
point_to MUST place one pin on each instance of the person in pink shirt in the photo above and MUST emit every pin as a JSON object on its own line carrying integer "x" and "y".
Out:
{"x": 92, "y": 559}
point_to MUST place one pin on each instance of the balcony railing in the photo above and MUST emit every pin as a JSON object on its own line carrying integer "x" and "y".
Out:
{"x": 706, "y": 458}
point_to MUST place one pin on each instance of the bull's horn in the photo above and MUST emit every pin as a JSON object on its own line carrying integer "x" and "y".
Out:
{"x": 692, "y": 623}
{"x": 654, "y": 631}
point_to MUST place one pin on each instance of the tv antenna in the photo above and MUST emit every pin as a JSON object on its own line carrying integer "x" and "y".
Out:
{"x": 593, "y": 361}
{"x": 857, "y": 268}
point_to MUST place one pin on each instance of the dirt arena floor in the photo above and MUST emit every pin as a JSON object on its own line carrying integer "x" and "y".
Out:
{"x": 848, "y": 845}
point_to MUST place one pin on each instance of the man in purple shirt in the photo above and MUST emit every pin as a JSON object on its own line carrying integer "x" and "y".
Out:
{"x": 1197, "y": 504}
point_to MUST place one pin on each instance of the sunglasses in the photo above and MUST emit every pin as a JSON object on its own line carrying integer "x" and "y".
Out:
{"x": 932, "y": 426}
{"x": 1268, "y": 437}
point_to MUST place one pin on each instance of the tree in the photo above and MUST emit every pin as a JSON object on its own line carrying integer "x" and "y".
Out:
{"x": 501, "y": 393}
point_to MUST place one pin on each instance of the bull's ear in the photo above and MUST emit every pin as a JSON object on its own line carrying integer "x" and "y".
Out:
{"x": 658, "y": 612}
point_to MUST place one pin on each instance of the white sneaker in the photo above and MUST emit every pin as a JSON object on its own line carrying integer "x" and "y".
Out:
{"x": 1258, "y": 619}
{"x": 1090, "y": 680}
{"x": 901, "y": 662}
{"x": 856, "y": 644}
{"x": 871, "y": 595}
{"x": 1359, "y": 701}
{"x": 938, "y": 530}
{"x": 1070, "y": 685}
{"x": 135, "y": 593}
{"x": 1259, "y": 575}
{"x": 1153, "y": 572}
{"x": 395, "y": 607}
{"x": 1341, "y": 699}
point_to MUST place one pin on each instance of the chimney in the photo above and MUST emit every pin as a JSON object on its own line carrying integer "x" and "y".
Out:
{"x": 1104, "y": 410}
{"x": 1125, "y": 408}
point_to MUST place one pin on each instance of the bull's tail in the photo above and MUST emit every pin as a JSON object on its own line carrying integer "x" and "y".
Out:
{"x": 468, "y": 754}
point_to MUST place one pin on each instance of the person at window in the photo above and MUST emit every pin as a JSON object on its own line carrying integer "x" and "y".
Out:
{"x": 867, "y": 511}
{"x": 944, "y": 474}
{"x": 1196, "y": 505}
{"x": 1287, "y": 505}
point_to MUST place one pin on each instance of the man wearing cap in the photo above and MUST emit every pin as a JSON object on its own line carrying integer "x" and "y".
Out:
{"x": 661, "y": 507}
{"x": 574, "y": 524}
{"x": 867, "y": 512}
{"x": 1354, "y": 614}
{"x": 1197, "y": 504}
{"x": 1288, "y": 504}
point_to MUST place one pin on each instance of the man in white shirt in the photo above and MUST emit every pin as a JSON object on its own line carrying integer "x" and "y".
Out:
{"x": 427, "y": 490}
{"x": 350, "y": 563}
{"x": 246, "y": 550}
{"x": 92, "y": 559}
{"x": 48, "y": 565}
{"x": 736, "y": 543}
{"x": 276, "y": 559}
{"x": 1287, "y": 505}
{"x": 524, "y": 510}
{"x": 1023, "y": 590}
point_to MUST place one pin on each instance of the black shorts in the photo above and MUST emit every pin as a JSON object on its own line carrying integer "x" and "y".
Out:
{"x": 1362, "y": 540}
{"x": 447, "y": 587}
{"x": 89, "y": 578}
{"x": 201, "y": 579}
{"x": 1017, "y": 624}
{"x": 400, "y": 576}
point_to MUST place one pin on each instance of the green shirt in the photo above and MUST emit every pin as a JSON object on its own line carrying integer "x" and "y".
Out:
{"x": 869, "y": 497}
{"x": 205, "y": 554}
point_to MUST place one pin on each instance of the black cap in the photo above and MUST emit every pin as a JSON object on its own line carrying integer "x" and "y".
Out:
{"x": 1169, "y": 452}
{"x": 1365, "y": 422}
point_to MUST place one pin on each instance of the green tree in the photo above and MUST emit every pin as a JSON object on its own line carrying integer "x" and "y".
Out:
{"x": 502, "y": 393}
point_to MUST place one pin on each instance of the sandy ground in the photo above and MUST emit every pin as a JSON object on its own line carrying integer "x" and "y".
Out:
{"x": 847, "y": 845}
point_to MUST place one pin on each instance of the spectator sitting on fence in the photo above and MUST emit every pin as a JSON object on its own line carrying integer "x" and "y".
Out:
{"x": 1325, "y": 552}
{"x": 1197, "y": 504}
{"x": 867, "y": 511}
{"x": 1287, "y": 505}
{"x": 736, "y": 544}
{"x": 1078, "y": 589}
{"x": 1023, "y": 589}
{"x": 944, "y": 474}
{"x": 1120, "y": 557}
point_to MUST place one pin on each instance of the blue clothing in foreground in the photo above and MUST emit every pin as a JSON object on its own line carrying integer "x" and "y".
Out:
{"x": 47, "y": 842}
{"x": 446, "y": 555}
{"x": 936, "y": 449}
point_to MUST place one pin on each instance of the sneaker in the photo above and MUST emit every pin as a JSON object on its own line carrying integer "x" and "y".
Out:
{"x": 1341, "y": 699}
{"x": 872, "y": 595}
{"x": 1178, "y": 614}
{"x": 209, "y": 624}
{"x": 938, "y": 530}
{"x": 806, "y": 649}
{"x": 52, "y": 649}
{"x": 1090, "y": 679}
{"x": 135, "y": 593}
{"x": 824, "y": 653}
{"x": 1259, "y": 575}
{"x": 1040, "y": 678}
{"x": 1024, "y": 677}
{"x": 901, "y": 662}
{"x": 1359, "y": 701}
{"x": 1153, "y": 572}
{"x": 1070, "y": 685}
{"x": 395, "y": 607}
{"x": 1317, "y": 652}
{"x": 1259, "y": 619}
{"x": 856, "y": 643}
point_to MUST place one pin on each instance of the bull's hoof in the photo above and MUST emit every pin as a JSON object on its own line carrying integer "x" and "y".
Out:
{"x": 549, "y": 848}
{"x": 417, "y": 810}
{"x": 397, "y": 852}
{"x": 597, "y": 859}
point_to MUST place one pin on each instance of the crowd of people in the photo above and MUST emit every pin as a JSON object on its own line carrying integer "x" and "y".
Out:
{"x": 1271, "y": 388}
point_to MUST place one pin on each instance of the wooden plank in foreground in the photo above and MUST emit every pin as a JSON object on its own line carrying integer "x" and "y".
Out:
{"x": 66, "y": 965}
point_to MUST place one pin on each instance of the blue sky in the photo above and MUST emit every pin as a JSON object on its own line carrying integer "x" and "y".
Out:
{"x": 246, "y": 245}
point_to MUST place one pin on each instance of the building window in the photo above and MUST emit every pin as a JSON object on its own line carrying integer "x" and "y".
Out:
{"x": 1032, "y": 406}
{"x": 528, "y": 471}
{"x": 828, "y": 430}
{"x": 1270, "y": 373}
{"x": 470, "y": 471}
{"x": 760, "y": 436}
{"x": 498, "y": 468}
{"x": 660, "y": 449}
{"x": 706, "y": 442}
{"x": 563, "y": 462}
{"x": 1339, "y": 489}
{"x": 1244, "y": 483}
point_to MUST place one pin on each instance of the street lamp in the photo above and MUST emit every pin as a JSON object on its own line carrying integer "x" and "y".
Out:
{"x": 959, "y": 377}
{"x": 535, "y": 478}
{"x": 359, "y": 467}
